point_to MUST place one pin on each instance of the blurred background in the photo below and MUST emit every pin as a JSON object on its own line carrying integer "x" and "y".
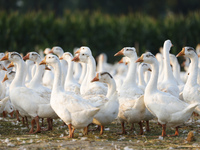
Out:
{"x": 103, "y": 25}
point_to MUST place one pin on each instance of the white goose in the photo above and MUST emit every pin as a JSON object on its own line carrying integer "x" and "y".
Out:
{"x": 132, "y": 108}
{"x": 27, "y": 101}
{"x": 169, "y": 83}
{"x": 169, "y": 110}
{"x": 72, "y": 109}
{"x": 70, "y": 83}
{"x": 88, "y": 88}
{"x": 191, "y": 91}
{"x": 109, "y": 111}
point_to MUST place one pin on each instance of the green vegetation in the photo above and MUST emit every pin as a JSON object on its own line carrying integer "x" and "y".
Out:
{"x": 100, "y": 31}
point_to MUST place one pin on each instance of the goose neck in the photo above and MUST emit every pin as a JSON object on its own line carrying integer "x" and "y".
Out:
{"x": 70, "y": 76}
{"x": 152, "y": 84}
{"x": 193, "y": 71}
{"x": 57, "y": 76}
{"x": 141, "y": 76}
{"x": 91, "y": 67}
{"x": 111, "y": 88}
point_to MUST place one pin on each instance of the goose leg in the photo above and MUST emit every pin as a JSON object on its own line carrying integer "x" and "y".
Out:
{"x": 26, "y": 119}
{"x": 51, "y": 124}
{"x": 132, "y": 127}
{"x": 23, "y": 122}
{"x": 32, "y": 126}
{"x": 70, "y": 131}
{"x": 123, "y": 129}
{"x": 4, "y": 114}
{"x": 102, "y": 128}
{"x": 147, "y": 123}
{"x": 38, "y": 125}
{"x": 176, "y": 133}
{"x": 141, "y": 129}
{"x": 86, "y": 130}
{"x": 43, "y": 122}
{"x": 12, "y": 114}
{"x": 17, "y": 115}
{"x": 163, "y": 130}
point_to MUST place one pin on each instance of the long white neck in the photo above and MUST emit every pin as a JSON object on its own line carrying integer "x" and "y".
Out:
{"x": 141, "y": 76}
{"x": 193, "y": 71}
{"x": 111, "y": 88}
{"x": 91, "y": 68}
{"x": 176, "y": 71}
{"x": 152, "y": 84}
{"x": 28, "y": 71}
{"x": 37, "y": 78}
{"x": 18, "y": 80}
{"x": 70, "y": 76}
{"x": 57, "y": 77}
{"x": 83, "y": 72}
{"x": 132, "y": 72}
{"x": 167, "y": 68}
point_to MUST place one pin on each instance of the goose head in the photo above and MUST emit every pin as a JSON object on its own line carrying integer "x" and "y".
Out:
{"x": 104, "y": 77}
{"x": 147, "y": 57}
{"x": 67, "y": 56}
{"x": 102, "y": 58}
{"x": 57, "y": 50}
{"x": 82, "y": 55}
{"x": 2, "y": 55}
{"x": 167, "y": 45}
{"x": 188, "y": 52}
{"x": 2, "y": 67}
{"x": 124, "y": 60}
{"x": 12, "y": 56}
{"x": 84, "y": 49}
{"x": 127, "y": 51}
{"x": 33, "y": 56}
{"x": 9, "y": 76}
{"x": 50, "y": 59}
{"x": 145, "y": 67}
{"x": 47, "y": 50}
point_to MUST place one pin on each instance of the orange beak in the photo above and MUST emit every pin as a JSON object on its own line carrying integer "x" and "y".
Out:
{"x": 140, "y": 59}
{"x": 26, "y": 57}
{"x": 47, "y": 68}
{"x": 61, "y": 58}
{"x": 5, "y": 57}
{"x": 181, "y": 53}
{"x": 11, "y": 65}
{"x": 120, "y": 53}
{"x": 43, "y": 62}
{"x": 76, "y": 58}
{"x": 51, "y": 51}
{"x": 121, "y": 61}
{"x": 78, "y": 51}
{"x": 4, "y": 69}
{"x": 5, "y": 78}
{"x": 96, "y": 78}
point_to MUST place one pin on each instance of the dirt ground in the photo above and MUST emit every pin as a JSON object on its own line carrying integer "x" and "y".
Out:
{"x": 13, "y": 135}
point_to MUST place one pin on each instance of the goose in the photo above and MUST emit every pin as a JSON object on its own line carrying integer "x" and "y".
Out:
{"x": 36, "y": 84}
{"x": 160, "y": 59}
{"x": 102, "y": 64}
{"x": 27, "y": 101}
{"x": 109, "y": 111}
{"x": 59, "y": 52}
{"x": 168, "y": 109}
{"x": 77, "y": 68}
{"x": 88, "y": 88}
{"x": 83, "y": 72}
{"x": 132, "y": 108}
{"x": 169, "y": 83}
{"x": 191, "y": 93}
{"x": 71, "y": 108}
{"x": 70, "y": 83}
{"x": 29, "y": 67}
{"x": 3, "y": 103}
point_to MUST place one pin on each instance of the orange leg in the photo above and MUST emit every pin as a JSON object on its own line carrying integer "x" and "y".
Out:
{"x": 12, "y": 114}
{"x": 123, "y": 128}
{"x": 38, "y": 125}
{"x": 4, "y": 114}
{"x": 17, "y": 115}
{"x": 26, "y": 119}
{"x": 70, "y": 131}
{"x": 147, "y": 123}
{"x": 32, "y": 126}
{"x": 23, "y": 122}
{"x": 163, "y": 130}
{"x": 86, "y": 130}
{"x": 141, "y": 129}
{"x": 176, "y": 133}
{"x": 132, "y": 127}
{"x": 102, "y": 128}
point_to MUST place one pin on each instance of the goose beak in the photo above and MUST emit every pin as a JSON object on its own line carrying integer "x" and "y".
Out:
{"x": 61, "y": 58}
{"x": 140, "y": 59}
{"x": 198, "y": 55}
{"x": 78, "y": 51}
{"x": 96, "y": 78}
{"x": 47, "y": 68}
{"x": 43, "y": 62}
{"x": 121, "y": 61}
{"x": 4, "y": 69}
{"x": 11, "y": 65}
{"x": 181, "y": 53}
{"x": 149, "y": 69}
{"x": 26, "y": 57}
{"x": 76, "y": 58}
{"x": 5, "y": 78}
{"x": 51, "y": 51}
{"x": 5, "y": 57}
{"x": 120, "y": 53}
